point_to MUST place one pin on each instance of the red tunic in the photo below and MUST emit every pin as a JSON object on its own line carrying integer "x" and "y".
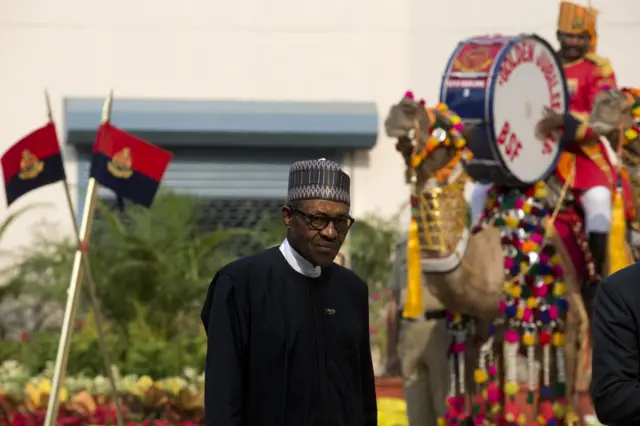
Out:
{"x": 585, "y": 79}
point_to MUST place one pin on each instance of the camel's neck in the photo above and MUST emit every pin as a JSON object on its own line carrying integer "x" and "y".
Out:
{"x": 441, "y": 214}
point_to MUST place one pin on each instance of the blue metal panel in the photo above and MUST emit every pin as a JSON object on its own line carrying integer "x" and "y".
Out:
{"x": 346, "y": 125}
{"x": 223, "y": 173}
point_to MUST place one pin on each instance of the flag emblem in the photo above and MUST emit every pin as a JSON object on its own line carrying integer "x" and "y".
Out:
{"x": 32, "y": 162}
{"x": 30, "y": 166}
{"x": 129, "y": 166}
{"x": 120, "y": 164}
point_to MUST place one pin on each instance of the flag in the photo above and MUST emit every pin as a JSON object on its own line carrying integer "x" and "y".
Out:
{"x": 130, "y": 167}
{"x": 32, "y": 162}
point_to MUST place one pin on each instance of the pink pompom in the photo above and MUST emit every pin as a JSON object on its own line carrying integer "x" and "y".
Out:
{"x": 519, "y": 203}
{"x": 536, "y": 238}
{"x": 541, "y": 291}
{"x": 508, "y": 262}
{"x": 511, "y": 336}
{"x": 493, "y": 396}
{"x": 459, "y": 402}
{"x": 459, "y": 127}
{"x": 502, "y": 306}
{"x": 409, "y": 94}
{"x": 526, "y": 315}
{"x": 553, "y": 312}
{"x": 458, "y": 347}
{"x": 451, "y": 402}
{"x": 492, "y": 370}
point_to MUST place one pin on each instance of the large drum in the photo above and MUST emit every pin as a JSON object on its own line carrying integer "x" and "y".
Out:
{"x": 503, "y": 84}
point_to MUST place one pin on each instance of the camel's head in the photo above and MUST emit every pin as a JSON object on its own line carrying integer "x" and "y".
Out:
{"x": 616, "y": 116}
{"x": 615, "y": 110}
{"x": 432, "y": 143}
{"x": 612, "y": 109}
{"x": 631, "y": 126}
{"x": 430, "y": 140}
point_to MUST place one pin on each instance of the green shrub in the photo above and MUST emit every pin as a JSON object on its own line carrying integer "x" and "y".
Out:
{"x": 151, "y": 267}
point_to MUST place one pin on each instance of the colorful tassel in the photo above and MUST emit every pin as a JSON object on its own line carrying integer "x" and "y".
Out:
{"x": 413, "y": 304}
{"x": 617, "y": 253}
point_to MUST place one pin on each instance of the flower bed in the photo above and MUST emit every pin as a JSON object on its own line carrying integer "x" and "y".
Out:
{"x": 85, "y": 401}
{"x": 174, "y": 401}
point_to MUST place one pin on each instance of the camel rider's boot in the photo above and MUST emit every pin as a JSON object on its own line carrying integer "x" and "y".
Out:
{"x": 598, "y": 242}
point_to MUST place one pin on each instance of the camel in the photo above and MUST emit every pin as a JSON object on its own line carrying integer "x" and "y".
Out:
{"x": 465, "y": 269}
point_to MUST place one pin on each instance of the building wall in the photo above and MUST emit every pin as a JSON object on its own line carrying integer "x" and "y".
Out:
{"x": 255, "y": 50}
{"x": 436, "y": 27}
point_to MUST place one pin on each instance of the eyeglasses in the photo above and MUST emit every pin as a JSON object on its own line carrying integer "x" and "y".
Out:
{"x": 318, "y": 222}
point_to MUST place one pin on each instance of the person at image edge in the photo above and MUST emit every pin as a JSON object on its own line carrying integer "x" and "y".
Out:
{"x": 616, "y": 371}
{"x": 287, "y": 328}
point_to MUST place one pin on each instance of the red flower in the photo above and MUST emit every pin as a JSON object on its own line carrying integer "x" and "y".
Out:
{"x": 104, "y": 415}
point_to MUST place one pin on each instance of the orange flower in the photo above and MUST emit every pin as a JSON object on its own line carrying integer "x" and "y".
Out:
{"x": 432, "y": 144}
{"x": 529, "y": 246}
{"x": 443, "y": 174}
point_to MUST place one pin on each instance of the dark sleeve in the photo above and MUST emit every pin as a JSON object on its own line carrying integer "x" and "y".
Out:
{"x": 226, "y": 342}
{"x": 369, "y": 403}
{"x": 615, "y": 385}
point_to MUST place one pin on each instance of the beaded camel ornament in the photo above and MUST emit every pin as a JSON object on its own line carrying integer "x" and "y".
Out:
{"x": 532, "y": 309}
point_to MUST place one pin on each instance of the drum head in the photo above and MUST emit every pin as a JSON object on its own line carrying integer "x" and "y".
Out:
{"x": 527, "y": 77}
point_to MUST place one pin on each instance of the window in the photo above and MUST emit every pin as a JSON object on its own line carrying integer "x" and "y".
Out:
{"x": 261, "y": 216}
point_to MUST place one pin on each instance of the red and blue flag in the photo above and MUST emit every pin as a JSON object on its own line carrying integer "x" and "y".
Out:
{"x": 32, "y": 162}
{"x": 130, "y": 167}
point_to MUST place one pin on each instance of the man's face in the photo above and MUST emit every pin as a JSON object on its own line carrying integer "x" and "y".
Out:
{"x": 573, "y": 46}
{"x": 317, "y": 229}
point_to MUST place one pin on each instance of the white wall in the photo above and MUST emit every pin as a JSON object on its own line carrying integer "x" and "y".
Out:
{"x": 256, "y": 49}
{"x": 436, "y": 28}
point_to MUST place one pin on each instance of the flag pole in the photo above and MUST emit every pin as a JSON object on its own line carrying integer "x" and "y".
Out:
{"x": 93, "y": 293}
{"x": 80, "y": 262}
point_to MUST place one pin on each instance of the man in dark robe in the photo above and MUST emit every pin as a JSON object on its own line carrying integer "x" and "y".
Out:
{"x": 616, "y": 349}
{"x": 288, "y": 329}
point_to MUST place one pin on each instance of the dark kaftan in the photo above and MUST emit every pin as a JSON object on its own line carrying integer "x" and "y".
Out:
{"x": 616, "y": 349}
{"x": 285, "y": 349}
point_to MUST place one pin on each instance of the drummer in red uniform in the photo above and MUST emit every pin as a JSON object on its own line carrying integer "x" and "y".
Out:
{"x": 595, "y": 176}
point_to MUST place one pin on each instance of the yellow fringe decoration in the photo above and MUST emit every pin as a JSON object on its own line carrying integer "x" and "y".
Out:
{"x": 413, "y": 304}
{"x": 617, "y": 252}
{"x": 606, "y": 69}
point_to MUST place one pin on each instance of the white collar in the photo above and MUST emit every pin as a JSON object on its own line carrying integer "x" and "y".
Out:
{"x": 297, "y": 262}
